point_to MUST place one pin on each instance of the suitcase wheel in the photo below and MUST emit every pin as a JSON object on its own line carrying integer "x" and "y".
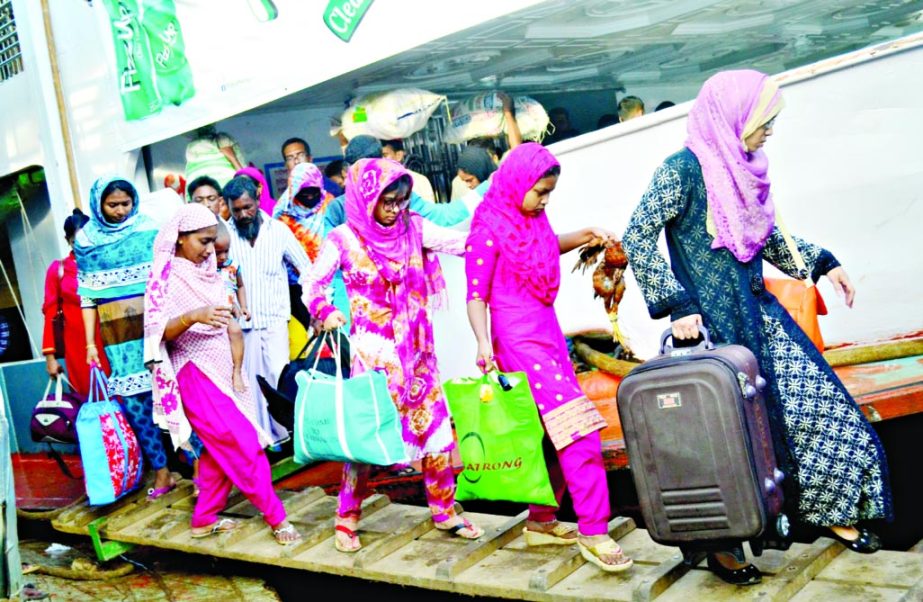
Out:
{"x": 783, "y": 526}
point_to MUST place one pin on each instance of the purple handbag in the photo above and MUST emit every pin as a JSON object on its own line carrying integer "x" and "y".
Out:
{"x": 55, "y": 416}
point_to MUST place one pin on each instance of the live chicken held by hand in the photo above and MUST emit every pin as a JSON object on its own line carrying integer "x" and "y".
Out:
{"x": 608, "y": 281}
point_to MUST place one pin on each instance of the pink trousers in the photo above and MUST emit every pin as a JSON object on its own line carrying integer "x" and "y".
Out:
{"x": 232, "y": 456}
{"x": 438, "y": 481}
{"x": 579, "y": 467}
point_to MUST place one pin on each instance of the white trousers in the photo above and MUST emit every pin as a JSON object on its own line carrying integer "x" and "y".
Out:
{"x": 265, "y": 354}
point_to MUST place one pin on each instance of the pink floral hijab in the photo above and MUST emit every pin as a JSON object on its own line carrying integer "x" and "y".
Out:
{"x": 398, "y": 254}
{"x": 527, "y": 243}
{"x": 391, "y": 248}
{"x": 730, "y": 106}
{"x": 174, "y": 287}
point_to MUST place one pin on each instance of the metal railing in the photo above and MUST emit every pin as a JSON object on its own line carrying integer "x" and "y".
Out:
{"x": 10, "y": 52}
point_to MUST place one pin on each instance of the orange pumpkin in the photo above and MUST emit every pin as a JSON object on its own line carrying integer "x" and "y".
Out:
{"x": 597, "y": 384}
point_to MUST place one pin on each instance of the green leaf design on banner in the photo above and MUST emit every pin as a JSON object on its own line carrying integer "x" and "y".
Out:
{"x": 342, "y": 17}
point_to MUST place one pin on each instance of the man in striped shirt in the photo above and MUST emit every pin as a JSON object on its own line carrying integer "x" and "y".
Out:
{"x": 262, "y": 245}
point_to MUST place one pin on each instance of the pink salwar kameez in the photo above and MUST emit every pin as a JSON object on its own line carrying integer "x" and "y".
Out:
{"x": 512, "y": 264}
{"x": 192, "y": 379}
{"x": 392, "y": 278}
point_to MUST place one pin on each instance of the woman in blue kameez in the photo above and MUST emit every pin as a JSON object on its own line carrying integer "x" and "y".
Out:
{"x": 713, "y": 199}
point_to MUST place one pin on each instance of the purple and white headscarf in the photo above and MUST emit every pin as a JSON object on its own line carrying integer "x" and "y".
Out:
{"x": 730, "y": 106}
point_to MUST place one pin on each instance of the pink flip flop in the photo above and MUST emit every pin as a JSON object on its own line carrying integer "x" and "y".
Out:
{"x": 153, "y": 494}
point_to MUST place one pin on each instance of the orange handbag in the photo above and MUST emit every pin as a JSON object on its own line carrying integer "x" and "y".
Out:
{"x": 800, "y": 298}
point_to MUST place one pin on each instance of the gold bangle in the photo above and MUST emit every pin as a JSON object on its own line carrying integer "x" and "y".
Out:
{"x": 182, "y": 319}
{"x": 91, "y": 346}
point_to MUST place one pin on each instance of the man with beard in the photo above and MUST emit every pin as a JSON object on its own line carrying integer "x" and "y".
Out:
{"x": 262, "y": 245}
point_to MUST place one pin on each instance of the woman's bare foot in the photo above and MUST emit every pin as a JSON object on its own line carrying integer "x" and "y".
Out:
{"x": 549, "y": 533}
{"x": 286, "y": 533}
{"x": 238, "y": 381}
{"x": 604, "y": 552}
{"x": 163, "y": 479}
{"x": 459, "y": 526}
{"x": 346, "y": 538}
{"x": 847, "y": 533}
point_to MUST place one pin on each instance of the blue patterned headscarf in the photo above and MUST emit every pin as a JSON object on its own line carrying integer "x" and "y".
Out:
{"x": 114, "y": 260}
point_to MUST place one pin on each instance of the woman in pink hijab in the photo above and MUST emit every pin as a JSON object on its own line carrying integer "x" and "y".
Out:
{"x": 714, "y": 200}
{"x": 513, "y": 266}
{"x": 187, "y": 348}
{"x": 393, "y": 279}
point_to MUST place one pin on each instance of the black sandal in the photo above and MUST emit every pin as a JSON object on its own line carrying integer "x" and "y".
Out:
{"x": 866, "y": 543}
{"x": 748, "y": 575}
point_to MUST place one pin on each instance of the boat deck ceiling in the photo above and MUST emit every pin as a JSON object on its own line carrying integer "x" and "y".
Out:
{"x": 401, "y": 546}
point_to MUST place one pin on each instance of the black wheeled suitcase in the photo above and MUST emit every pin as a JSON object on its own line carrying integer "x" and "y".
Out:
{"x": 700, "y": 448}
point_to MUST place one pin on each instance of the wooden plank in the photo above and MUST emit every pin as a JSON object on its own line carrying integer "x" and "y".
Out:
{"x": 562, "y": 565}
{"x": 245, "y": 529}
{"x": 883, "y": 568}
{"x": 297, "y": 502}
{"x": 316, "y": 521}
{"x": 915, "y": 593}
{"x": 478, "y": 549}
{"x": 802, "y": 568}
{"x": 128, "y": 514}
{"x": 163, "y": 526}
{"x": 402, "y": 547}
{"x": 825, "y": 591}
{"x": 656, "y": 581}
{"x": 590, "y": 583}
{"x": 401, "y": 525}
{"x": 639, "y": 546}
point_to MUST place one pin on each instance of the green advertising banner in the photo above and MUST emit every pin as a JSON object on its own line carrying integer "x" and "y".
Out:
{"x": 150, "y": 56}
{"x": 342, "y": 17}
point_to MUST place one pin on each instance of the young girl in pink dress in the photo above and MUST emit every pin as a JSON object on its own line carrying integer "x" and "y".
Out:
{"x": 513, "y": 267}
{"x": 186, "y": 346}
{"x": 392, "y": 278}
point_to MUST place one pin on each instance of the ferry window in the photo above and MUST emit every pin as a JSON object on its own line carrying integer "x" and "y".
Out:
{"x": 10, "y": 53}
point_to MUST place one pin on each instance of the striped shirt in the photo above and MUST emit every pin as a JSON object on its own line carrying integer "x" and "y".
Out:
{"x": 262, "y": 269}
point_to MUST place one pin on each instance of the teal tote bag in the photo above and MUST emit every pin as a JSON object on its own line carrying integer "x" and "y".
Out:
{"x": 499, "y": 439}
{"x": 346, "y": 419}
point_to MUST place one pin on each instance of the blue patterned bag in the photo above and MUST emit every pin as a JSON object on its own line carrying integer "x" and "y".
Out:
{"x": 109, "y": 450}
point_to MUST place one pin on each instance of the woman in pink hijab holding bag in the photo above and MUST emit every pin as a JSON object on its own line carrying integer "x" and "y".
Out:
{"x": 513, "y": 267}
{"x": 187, "y": 348}
{"x": 713, "y": 200}
{"x": 388, "y": 259}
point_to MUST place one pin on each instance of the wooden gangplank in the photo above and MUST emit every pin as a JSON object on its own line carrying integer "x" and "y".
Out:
{"x": 401, "y": 546}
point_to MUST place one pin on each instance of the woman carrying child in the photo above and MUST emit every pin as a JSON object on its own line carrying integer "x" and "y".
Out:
{"x": 186, "y": 345}
{"x": 392, "y": 277}
{"x": 513, "y": 266}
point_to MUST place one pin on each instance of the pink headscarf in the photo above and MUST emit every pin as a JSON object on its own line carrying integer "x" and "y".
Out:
{"x": 729, "y": 107}
{"x": 267, "y": 203}
{"x": 174, "y": 287}
{"x": 527, "y": 242}
{"x": 391, "y": 249}
{"x": 397, "y": 251}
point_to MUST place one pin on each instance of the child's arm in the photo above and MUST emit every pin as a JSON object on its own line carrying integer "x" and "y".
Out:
{"x": 242, "y": 297}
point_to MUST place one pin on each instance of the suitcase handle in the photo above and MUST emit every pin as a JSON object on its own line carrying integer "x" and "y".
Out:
{"x": 668, "y": 334}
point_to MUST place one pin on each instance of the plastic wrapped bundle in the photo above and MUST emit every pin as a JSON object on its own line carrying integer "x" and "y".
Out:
{"x": 482, "y": 115}
{"x": 390, "y": 115}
